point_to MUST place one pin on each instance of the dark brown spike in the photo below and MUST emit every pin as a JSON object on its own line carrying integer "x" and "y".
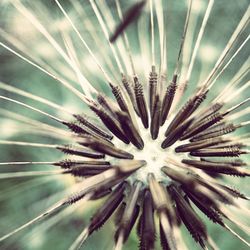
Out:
{"x": 156, "y": 118}
{"x": 185, "y": 179}
{"x": 130, "y": 16}
{"x": 71, "y": 163}
{"x": 95, "y": 184}
{"x": 107, "y": 104}
{"x": 131, "y": 93}
{"x": 141, "y": 103}
{"x": 152, "y": 90}
{"x": 191, "y": 105}
{"x": 231, "y": 162}
{"x": 233, "y": 192}
{"x": 209, "y": 211}
{"x": 197, "y": 163}
{"x": 210, "y": 110}
{"x": 191, "y": 220}
{"x": 201, "y": 197}
{"x": 147, "y": 224}
{"x": 76, "y": 127}
{"x": 161, "y": 199}
{"x": 105, "y": 148}
{"x": 200, "y": 144}
{"x": 217, "y": 131}
{"x": 228, "y": 170}
{"x": 72, "y": 150}
{"x": 131, "y": 132}
{"x": 158, "y": 193}
{"x": 128, "y": 167}
{"x": 110, "y": 122}
{"x": 85, "y": 121}
{"x": 87, "y": 170}
{"x": 193, "y": 183}
{"x": 107, "y": 209}
{"x": 116, "y": 90}
{"x": 119, "y": 213}
{"x": 168, "y": 99}
{"x": 230, "y": 151}
{"x": 130, "y": 214}
{"x": 100, "y": 194}
{"x": 163, "y": 239}
{"x": 175, "y": 134}
{"x": 200, "y": 126}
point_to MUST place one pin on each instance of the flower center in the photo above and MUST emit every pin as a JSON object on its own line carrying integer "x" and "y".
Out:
{"x": 153, "y": 154}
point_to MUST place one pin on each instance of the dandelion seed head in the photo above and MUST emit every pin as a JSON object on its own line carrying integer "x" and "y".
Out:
{"x": 129, "y": 128}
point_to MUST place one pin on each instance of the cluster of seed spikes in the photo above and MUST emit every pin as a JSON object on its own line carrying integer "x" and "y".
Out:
{"x": 150, "y": 158}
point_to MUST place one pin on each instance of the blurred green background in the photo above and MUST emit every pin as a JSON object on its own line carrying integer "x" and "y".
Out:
{"x": 23, "y": 198}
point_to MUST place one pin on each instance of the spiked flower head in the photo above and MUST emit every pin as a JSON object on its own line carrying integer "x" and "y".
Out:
{"x": 155, "y": 154}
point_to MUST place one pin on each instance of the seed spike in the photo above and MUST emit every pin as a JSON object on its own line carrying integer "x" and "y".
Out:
{"x": 146, "y": 227}
{"x": 156, "y": 118}
{"x": 209, "y": 211}
{"x": 198, "y": 127}
{"x": 223, "y": 169}
{"x": 130, "y": 16}
{"x": 202, "y": 125}
{"x": 129, "y": 216}
{"x": 101, "y": 215}
{"x": 72, "y": 163}
{"x": 117, "y": 92}
{"x": 141, "y": 103}
{"x": 168, "y": 99}
{"x": 221, "y": 130}
{"x": 82, "y": 171}
{"x": 80, "y": 151}
{"x": 175, "y": 134}
{"x": 152, "y": 90}
{"x": 132, "y": 132}
{"x": 167, "y": 231}
{"x": 128, "y": 86}
{"x": 191, "y": 220}
{"x": 230, "y": 151}
{"x": 110, "y": 122}
{"x": 105, "y": 148}
{"x": 201, "y": 144}
{"x": 85, "y": 121}
{"x": 189, "y": 107}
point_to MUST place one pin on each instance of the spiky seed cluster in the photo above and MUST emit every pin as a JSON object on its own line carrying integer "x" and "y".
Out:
{"x": 167, "y": 174}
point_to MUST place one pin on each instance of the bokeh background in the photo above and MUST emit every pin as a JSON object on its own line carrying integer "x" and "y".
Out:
{"x": 23, "y": 198}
